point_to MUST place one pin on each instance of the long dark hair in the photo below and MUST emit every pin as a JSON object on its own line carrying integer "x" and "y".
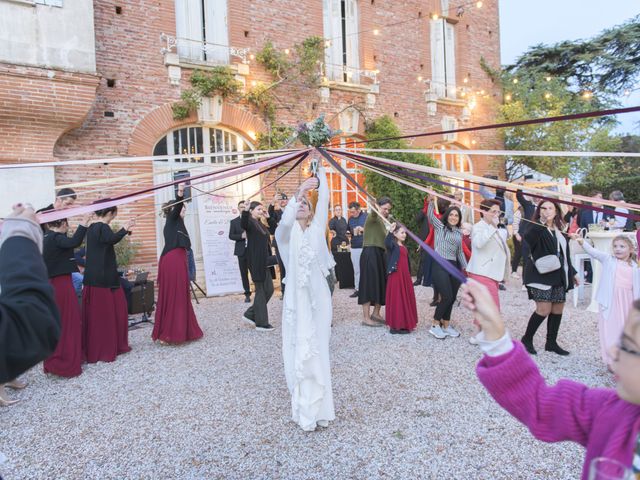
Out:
{"x": 557, "y": 220}
{"x": 445, "y": 217}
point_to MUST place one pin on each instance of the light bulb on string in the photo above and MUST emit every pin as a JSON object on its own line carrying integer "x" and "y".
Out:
{"x": 376, "y": 31}
{"x": 627, "y": 93}
{"x": 548, "y": 79}
{"x": 420, "y": 78}
{"x": 587, "y": 95}
{"x": 434, "y": 16}
{"x": 515, "y": 80}
{"x": 287, "y": 51}
{"x": 479, "y": 4}
{"x": 547, "y": 95}
{"x": 507, "y": 97}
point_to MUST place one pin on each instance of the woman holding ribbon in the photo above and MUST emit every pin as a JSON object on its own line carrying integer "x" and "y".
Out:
{"x": 549, "y": 275}
{"x": 307, "y": 309}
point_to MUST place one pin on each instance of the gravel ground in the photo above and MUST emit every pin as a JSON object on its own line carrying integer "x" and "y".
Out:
{"x": 407, "y": 406}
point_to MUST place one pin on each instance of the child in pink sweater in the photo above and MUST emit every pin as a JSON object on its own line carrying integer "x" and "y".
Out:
{"x": 605, "y": 421}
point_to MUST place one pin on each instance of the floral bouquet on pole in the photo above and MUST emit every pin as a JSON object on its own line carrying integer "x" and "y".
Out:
{"x": 315, "y": 133}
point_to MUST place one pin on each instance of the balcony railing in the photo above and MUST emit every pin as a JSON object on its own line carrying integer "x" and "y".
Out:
{"x": 201, "y": 51}
{"x": 343, "y": 73}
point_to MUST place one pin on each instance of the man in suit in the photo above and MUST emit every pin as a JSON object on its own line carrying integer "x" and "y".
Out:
{"x": 238, "y": 235}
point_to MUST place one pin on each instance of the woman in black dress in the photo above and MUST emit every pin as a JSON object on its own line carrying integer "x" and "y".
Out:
{"x": 58, "y": 255}
{"x": 104, "y": 306}
{"x": 258, "y": 255}
{"x": 548, "y": 290}
{"x": 175, "y": 320}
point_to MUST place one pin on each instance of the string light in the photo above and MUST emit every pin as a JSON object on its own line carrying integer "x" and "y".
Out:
{"x": 547, "y": 95}
{"x": 515, "y": 80}
{"x": 420, "y": 78}
{"x": 627, "y": 93}
{"x": 434, "y": 16}
{"x": 473, "y": 142}
{"x": 587, "y": 95}
{"x": 253, "y": 83}
{"x": 376, "y": 31}
{"x": 479, "y": 4}
{"x": 508, "y": 97}
{"x": 252, "y": 57}
{"x": 287, "y": 51}
{"x": 465, "y": 80}
{"x": 548, "y": 79}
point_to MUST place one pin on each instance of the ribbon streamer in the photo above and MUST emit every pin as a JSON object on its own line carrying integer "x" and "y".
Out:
{"x": 541, "y": 194}
{"x": 532, "y": 121}
{"x": 53, "y": 215}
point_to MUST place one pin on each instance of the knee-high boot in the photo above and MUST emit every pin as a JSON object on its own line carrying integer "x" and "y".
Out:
{"x": 532, "y": 327}
{"x": 553, "y": 325}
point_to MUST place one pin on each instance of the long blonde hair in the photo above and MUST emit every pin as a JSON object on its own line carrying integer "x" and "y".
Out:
{"x": 633, "y": 256}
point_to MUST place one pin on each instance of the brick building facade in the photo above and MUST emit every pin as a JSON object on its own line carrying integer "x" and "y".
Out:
{"x": 417, "y": 61}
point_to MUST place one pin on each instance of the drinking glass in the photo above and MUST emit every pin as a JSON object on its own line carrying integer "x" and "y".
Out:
{"x": 602, "y": 468}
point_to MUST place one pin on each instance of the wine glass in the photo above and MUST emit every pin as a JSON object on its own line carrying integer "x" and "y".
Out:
{"x": 603, "y": 468}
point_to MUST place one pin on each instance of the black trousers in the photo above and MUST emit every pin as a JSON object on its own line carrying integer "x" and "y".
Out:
{"x": 448, "y": 287}
{"x": 258, "y": 312}
{"x": 517, "y": 254}
{"x": 243, "y": 264}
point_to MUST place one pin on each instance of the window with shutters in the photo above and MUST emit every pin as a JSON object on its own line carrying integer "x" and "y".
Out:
{"x": 342, "y": 59}
{"x": 201, "y": 30}
{"x": 449, "y": 123}
{"x": 443, "y": 58}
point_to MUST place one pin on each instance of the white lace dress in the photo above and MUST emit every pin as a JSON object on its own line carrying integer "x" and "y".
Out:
{"x": 307, "y": 312}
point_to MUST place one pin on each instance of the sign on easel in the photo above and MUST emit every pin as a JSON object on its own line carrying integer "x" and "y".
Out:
{"x": 220, "y": 266}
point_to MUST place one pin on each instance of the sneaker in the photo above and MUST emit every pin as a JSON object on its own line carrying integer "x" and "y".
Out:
{"x": 515, "y": 275}
{"x": 473, "y": 340}
{"x": 451, "y": 332}
{"x": 417, "y": 282}
{"x": 501, "y": 286}
{"x": 266, "y": 328}
{"x": 438, "y": 332}
{"x": 249, "y": 321}
{"x": 354, "y": 294}
{"x": 247, "y": 299}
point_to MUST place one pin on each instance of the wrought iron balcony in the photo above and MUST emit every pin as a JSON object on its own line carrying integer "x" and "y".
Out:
{"x": 197, "y": 51}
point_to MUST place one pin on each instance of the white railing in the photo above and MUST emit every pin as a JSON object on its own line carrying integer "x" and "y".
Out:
{"x": 199, "y": 51}
{"x": 343, "y": 73}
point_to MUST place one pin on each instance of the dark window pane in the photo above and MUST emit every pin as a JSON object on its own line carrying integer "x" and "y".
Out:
{"x": 161, "y": 148}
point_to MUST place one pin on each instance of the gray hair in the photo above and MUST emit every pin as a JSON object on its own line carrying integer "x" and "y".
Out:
{"x": 616, "y": 196}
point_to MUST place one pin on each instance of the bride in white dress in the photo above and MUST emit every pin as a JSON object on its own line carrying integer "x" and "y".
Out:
{"x": 307, "y": 309}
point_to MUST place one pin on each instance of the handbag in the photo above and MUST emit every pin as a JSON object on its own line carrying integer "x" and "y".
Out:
{"x": 549, "y": 263}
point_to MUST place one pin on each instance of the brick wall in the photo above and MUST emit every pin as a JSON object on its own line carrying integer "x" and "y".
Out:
{"x": 128, "y": 51}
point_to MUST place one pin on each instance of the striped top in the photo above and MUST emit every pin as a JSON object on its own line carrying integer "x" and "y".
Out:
{"x": 447, "y": 241}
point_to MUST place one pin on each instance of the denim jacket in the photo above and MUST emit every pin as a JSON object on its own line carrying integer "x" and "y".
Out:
{"x": 393, "y": 253}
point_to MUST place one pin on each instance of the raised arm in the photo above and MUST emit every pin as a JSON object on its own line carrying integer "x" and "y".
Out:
{"x": 435, "y": 221}
{"x": 556, "y": 413}
{"x": 594, "y": 252}
{"x": 110, "y": 237}
{"x": 29, "y": 319}
{"x": 486, "y": 193}
{"x": 322, "y": 207}
{"x": 63, "y": 241}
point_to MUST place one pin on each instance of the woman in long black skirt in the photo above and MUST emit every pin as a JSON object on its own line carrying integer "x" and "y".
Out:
{"x": 104, "y": 306}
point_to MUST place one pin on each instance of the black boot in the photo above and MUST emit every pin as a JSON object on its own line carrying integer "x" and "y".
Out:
{"x": 532, "y": 327}
{"x": 553, "y": 325}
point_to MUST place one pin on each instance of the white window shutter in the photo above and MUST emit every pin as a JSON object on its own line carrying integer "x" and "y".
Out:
{"x": 332, "y": 22}
{"x": 189, "y": 29}
{"x": 216, "y": 31}
{"x": 450, "y": 59}
{"x": 353, "y": 45}
{"x": 449, "y": 123}
{"x": 437, "y": 57}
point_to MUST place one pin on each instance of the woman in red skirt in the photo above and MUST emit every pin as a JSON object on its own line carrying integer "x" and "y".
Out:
{"x": 105, "y": 316}
{"x": 66, "y": 360}
{"x": 400, "y": 302}
{"x": 175, "y": 320}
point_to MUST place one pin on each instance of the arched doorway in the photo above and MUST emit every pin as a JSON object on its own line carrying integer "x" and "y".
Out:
{"x": 195, "y": 139}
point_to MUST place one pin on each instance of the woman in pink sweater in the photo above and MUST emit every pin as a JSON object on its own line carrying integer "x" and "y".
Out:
{"x": 605, "y": 421}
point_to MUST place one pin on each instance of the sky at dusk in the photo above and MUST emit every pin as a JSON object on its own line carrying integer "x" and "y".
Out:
{"x": 527, "y": 23}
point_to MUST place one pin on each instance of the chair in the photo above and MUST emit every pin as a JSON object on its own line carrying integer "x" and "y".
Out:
{"x": 578, "y": 263}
